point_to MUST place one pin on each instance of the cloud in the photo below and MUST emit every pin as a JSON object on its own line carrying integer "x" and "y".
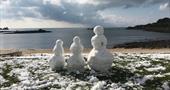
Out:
{"x": 84, "y": 12}
{"x": 165, "y": 6}
{"x": 37, "y": 23}
{"x": 81, "y": 2}
{"x": 104, "y": 4}
{"x": 54, "y": 2}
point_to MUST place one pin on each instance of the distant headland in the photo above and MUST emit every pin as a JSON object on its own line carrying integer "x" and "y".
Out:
{"x": 162, "y": 25}
{"x": 5, "y": 28}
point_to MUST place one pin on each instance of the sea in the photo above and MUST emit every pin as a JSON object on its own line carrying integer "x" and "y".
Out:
{"x": 47, "y": 40}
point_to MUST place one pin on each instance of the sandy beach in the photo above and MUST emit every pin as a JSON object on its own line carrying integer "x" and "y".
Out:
{"x": 116, "y": 50}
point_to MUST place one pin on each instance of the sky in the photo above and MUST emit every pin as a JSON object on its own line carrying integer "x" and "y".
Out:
{"x": 80, "y": 13}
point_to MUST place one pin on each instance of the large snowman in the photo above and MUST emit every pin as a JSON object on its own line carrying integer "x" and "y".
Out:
{"x": 99, "y": 59}
{"x": 57, "y": 61}
{"x": 76, "y": 62}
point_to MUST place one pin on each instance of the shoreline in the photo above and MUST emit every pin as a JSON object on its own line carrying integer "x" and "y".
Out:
{"x": 150, "y": 44}
{"x": 157, "y": 46}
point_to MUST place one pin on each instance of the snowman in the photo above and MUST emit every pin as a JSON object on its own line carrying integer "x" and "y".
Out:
{"x": 57, "y": 62}
{"x": 99, "y": 59}
{"x": 76, "y": 62}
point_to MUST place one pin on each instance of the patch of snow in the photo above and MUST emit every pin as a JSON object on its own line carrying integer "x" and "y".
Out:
{"x": 93, "y": 79}
{"x": 156, "y": 68}
{"x": 165, "y": 56}
{"x": 2, "y": 80}
{"x": 140, "y": 63}
{"x": 145, "y": 78}
{"x": 23, "y": 74}
{"x": 167, "y": 73}
{"x": 148, "y": 77}
{"x": 129, "y": 83}
{"x": 115, "y": 86}
{"x": 165, "y": 86}
{"x": 99, "y": 85}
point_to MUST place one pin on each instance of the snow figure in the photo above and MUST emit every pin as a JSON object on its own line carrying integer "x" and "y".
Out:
{"x": 99, "y": 59}
{"x": 57, "y": 61}
{"x": 76, "y": 62}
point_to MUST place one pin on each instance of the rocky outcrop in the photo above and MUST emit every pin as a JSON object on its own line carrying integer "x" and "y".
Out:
{"x": 162, "y": 25}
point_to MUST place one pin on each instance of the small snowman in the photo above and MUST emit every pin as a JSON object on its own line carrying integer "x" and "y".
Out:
{"x": 76, "y": 62}
{"x": 57, "y": 61}
{"x": 99, "y": 59}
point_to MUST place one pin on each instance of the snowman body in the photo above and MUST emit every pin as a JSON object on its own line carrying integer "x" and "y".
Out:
{"x": 99, "y": 59}
{"x": 76, "y": 61}
{"x": 57, "y": 61}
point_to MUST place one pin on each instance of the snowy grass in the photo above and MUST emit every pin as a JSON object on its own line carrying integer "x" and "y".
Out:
{"x": 129, "y": 71}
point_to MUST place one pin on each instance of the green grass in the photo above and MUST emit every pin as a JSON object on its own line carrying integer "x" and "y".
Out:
{"x": 10, "y": 79}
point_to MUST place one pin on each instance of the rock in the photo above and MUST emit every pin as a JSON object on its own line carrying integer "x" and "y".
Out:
{"x": 76, "y": 62}
{"x": 57, "y": 61}
{"x": 99, "y": 59}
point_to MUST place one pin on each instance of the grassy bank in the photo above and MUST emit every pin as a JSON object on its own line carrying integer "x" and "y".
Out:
{"x": 128, "y": 72}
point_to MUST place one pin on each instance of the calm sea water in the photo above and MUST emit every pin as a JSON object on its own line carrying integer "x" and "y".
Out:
{"x": 47, "y": 40}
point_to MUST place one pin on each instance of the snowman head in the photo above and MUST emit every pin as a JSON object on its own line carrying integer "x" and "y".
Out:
{"x": 76, "y": 39}
{"x": 98, "y": 30}
{"x": 59, "y": 42}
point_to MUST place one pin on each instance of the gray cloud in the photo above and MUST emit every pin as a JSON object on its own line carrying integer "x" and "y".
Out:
{"x": 70, "y": 12}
